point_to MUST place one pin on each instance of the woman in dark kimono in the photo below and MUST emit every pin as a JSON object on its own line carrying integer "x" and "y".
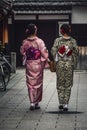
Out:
{"x": 64, "y": 52}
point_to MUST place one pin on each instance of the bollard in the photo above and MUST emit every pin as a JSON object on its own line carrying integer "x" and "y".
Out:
{"x": 13, "y": 60}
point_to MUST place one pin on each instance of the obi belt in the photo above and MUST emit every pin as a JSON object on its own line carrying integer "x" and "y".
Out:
{"x": 33, "y": 53}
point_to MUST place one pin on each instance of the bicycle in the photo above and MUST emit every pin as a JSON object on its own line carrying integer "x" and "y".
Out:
{"x": 4, "y": 76}
{"x": 5, "y": 71}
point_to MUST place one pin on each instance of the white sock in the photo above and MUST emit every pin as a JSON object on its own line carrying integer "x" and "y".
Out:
{"x": 32, "y": 104}
{"x": 65, "y": 105}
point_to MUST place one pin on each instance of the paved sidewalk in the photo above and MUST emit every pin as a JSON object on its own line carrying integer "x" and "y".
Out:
{"x": 14, "y": 105}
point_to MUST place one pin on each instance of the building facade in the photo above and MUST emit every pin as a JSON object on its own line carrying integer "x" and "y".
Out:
{"x": 5, "y": 11}
{"x": 48, "y": 15}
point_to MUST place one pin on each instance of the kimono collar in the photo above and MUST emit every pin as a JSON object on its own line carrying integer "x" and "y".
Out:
{"x": 31, "y": 38}
{"x": 66, "y": 37}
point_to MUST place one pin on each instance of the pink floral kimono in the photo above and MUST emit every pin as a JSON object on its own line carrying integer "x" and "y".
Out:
{"x": 35, "y": 64}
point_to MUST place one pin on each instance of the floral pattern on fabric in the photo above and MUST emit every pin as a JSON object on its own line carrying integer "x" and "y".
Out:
{"x": 33, "y": 53}
{"x": 69, "y": 52}
{"x": 61, "y": 51}
{"x": 64, "y": 50}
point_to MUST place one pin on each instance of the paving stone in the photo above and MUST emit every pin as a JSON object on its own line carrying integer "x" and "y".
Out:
{"x": 14, "y": 105}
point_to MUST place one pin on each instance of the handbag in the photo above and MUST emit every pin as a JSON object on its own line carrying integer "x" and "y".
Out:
{"x": 52, "y": 66}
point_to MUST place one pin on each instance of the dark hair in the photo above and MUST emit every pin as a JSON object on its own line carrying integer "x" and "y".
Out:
{"x": 65, "y": 28}
{"x": 31, "y": 28}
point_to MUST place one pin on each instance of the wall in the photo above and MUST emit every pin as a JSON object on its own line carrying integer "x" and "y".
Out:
{"x": 79, "y": 15}
{"x": 79, "y": 25}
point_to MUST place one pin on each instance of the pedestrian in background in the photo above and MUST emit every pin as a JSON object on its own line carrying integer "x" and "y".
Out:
{"x": 65, "y": 53}
{"x": 35, "y": 55}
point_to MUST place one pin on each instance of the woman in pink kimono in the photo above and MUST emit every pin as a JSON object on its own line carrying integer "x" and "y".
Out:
{"x": 35, "y": 52}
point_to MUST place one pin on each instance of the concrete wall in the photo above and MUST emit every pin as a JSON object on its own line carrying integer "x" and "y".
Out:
{"x": 79, "y": 15}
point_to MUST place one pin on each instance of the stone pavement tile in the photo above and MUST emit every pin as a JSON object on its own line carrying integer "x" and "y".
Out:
{"x": 56, "y": 119}
{"x": 3, "y": 128}
{"x": 81, "y": 120}
{"x": 46, "y": 125}
{"x": 63, "y": 121}
{"x": 26, "y": 125}
{"x": 52, "y": 108}
{"x": 4, "y": 112}
{"x": 9, "y": 124}
{"x": 33, "y": 115}
{"x": 15, "y": 113}
{"x": 81, "y": 128}
{"x": 82, "y": 104}
{"x": 65, "y": 128}
{"x": 48, "y": 117}
{"x": 13, "y": 82}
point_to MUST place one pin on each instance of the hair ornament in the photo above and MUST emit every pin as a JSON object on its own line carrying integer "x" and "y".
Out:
{"x": 27, "y": 30}
{"x": 63, "y": 31}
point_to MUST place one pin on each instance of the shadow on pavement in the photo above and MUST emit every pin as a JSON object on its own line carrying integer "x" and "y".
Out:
{"x": 64, "y": 112}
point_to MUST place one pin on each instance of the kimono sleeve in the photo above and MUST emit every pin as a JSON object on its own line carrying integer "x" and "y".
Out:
{"x": 54, "y": 48}
{"x": 22, "y": 48}
{"x": 75, "y": 53}
{"x": 44, "y": 51}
